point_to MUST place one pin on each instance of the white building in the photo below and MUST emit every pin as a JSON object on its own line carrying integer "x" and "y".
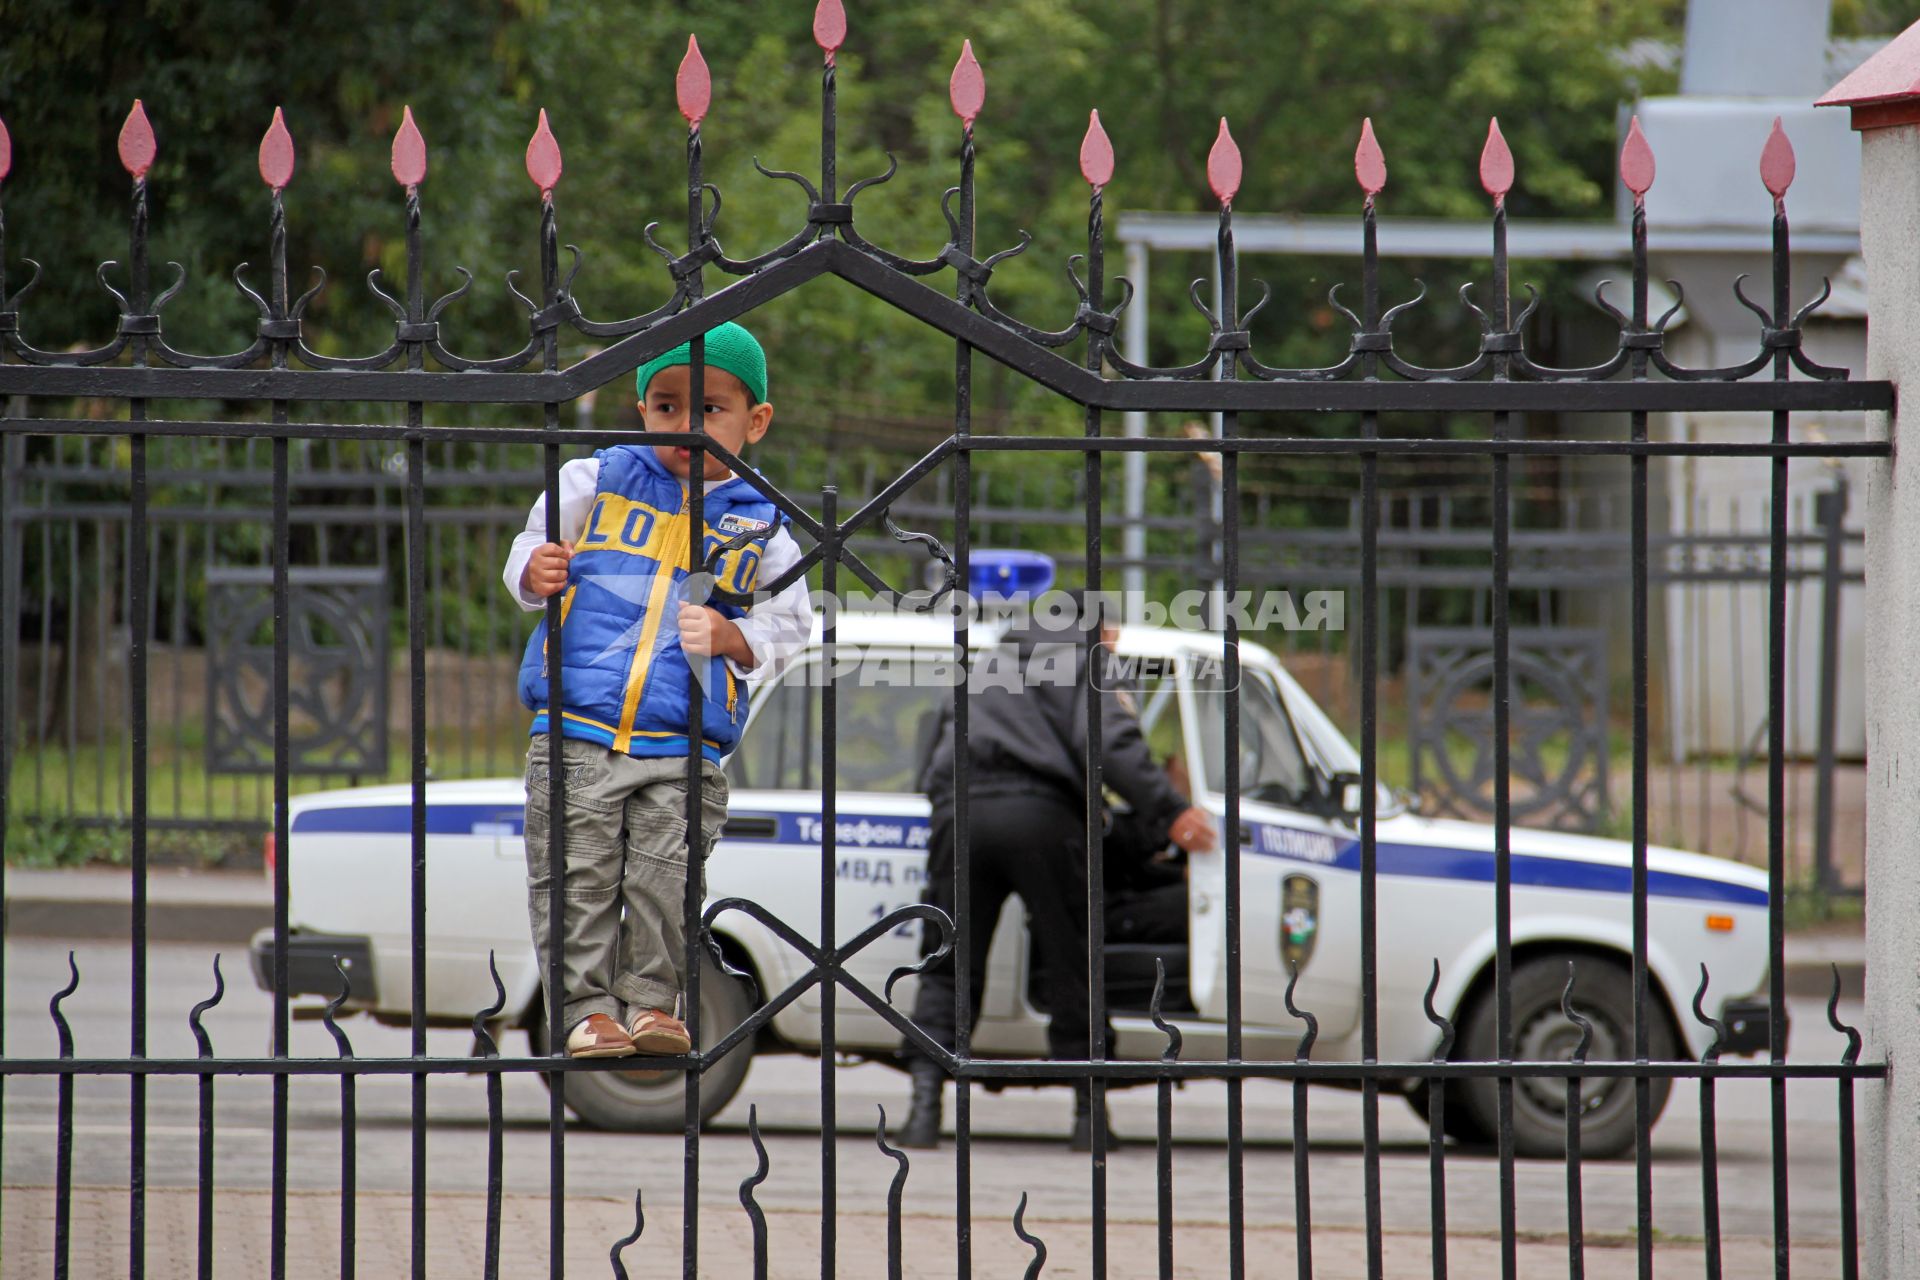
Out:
{"x": 1744, "y": 64}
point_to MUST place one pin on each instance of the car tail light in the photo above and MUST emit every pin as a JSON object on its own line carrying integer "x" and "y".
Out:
{"x": 267, "y": 852}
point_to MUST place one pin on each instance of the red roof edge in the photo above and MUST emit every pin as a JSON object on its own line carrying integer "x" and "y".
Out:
{"x": 1891, "y": 75}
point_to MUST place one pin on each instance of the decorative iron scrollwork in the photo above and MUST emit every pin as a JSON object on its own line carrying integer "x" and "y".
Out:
{"x": 1559, "y": 745}
{"x": 338, "y": 645}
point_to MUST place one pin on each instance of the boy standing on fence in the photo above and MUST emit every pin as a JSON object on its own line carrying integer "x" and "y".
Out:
{"x": 637, "y": 651}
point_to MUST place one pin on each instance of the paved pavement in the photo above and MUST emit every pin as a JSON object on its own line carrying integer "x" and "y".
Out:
{"x": 1017, "y": 1150}
{"x": 456, "y": 1235}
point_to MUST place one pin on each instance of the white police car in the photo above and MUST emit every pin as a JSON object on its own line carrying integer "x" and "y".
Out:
{"x": 1299, "y": 861}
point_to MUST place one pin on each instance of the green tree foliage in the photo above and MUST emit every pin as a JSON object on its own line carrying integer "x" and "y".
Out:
{"x": 1294, "y": 76}
{"x": 210, "y": 74}
{"x": 1873, "y": 17}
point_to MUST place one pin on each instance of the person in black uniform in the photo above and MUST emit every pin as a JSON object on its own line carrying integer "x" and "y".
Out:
{"x": 1144, "y": 875}
{"x": 1026, "y": 739}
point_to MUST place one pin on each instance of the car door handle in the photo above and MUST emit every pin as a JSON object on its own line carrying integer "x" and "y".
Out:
{"x": 751, "y": 826}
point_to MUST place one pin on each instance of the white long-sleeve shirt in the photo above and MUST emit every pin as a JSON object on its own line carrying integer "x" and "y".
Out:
{"x": 776, "y": 629}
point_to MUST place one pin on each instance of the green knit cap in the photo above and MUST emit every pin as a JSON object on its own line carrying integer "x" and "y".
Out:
{"x": 729, "y": 347}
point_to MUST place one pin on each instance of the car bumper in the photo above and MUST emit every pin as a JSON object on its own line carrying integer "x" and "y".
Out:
{"x": 1746, "y": 1020}
{"x": 311, "y": 964}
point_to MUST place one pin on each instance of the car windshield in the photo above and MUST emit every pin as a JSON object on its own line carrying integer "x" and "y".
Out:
{"x": 1272, "y": 767}
{"x": 1334, "y": 751}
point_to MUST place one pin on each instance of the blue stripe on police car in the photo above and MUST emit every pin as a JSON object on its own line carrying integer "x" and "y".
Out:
{"x": 896, "y": 831}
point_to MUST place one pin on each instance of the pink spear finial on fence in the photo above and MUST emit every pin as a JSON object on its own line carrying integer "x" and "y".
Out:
{"x": 1636, "y": 163}
{"x": 1496, "y": 164}
{"x": 1096, "y": 153}
{"x": 6, "y": 151}
{"x": 1369, "y": 164}
{"x": 829, "y": 27}
{"x": 693, "y": 85}
{"x": 543, "y": 158}
{"x": 276, "y": 154}
{"x": 136, "y": 142}
{"x": 967, "y": 86}
{"x": 1223, "y": 166}
{"x": 409, "y": 162}
{"x": 1777, "y": 164}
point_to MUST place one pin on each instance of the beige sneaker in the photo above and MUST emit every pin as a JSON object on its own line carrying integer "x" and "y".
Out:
{"x": 655, "y": 1031}
{"x": 598, "y": 1036}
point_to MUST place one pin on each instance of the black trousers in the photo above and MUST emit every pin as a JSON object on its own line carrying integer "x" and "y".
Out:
{"x": 1157, "y": 914}
{"x": 1028, "y": 844}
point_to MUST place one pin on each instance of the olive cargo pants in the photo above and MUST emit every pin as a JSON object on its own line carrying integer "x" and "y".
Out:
{"x": 624, "y": 945}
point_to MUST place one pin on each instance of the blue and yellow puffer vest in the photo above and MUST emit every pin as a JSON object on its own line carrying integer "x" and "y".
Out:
{"x": 627, "y": 683}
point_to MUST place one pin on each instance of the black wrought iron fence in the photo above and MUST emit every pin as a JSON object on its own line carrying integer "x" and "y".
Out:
{"x": 279, "y": 371}
{"x": 209, "y": 634}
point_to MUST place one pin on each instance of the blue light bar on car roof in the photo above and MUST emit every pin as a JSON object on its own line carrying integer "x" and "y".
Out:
{"x": 1008, "y": 575}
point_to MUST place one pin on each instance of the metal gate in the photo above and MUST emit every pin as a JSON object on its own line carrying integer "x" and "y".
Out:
{"x": 278, "y": 372}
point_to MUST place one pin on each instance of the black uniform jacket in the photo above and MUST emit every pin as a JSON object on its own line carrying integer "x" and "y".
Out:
{"x": 1027, "y": 732}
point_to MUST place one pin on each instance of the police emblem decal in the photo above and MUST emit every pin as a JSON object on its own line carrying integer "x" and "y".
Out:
{"x": 1299, "y": 920}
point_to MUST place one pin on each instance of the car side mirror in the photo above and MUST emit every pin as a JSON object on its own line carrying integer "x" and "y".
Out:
{"x": 1344, "y": 795}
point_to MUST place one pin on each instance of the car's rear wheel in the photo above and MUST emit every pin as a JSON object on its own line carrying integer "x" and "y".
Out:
{"x": 1603, "y": 994}
{"x": 642, "y": 1101}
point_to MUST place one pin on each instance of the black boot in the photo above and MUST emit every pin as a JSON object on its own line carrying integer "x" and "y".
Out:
{"x": 1082, "y": 1139}
{"x": 922, "y": 1129}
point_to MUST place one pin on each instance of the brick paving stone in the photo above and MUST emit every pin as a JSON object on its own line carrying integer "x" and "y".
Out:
{"x": 456, "y": 1238}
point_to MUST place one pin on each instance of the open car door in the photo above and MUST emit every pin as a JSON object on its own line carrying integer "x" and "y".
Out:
{"x": 1298, "y": 868}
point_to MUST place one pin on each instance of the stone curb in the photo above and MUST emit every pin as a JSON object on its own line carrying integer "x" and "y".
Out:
{"x": 93, "y": 920}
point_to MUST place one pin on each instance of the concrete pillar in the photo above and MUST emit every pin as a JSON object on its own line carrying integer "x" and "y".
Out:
{"x": 1883, "y": 96}
{"x": 1890, "y": 1132}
